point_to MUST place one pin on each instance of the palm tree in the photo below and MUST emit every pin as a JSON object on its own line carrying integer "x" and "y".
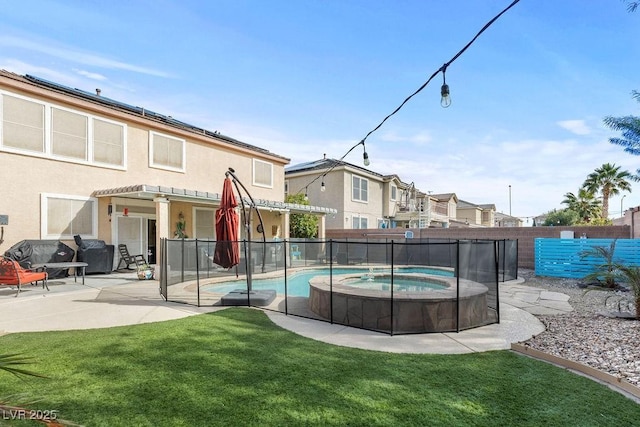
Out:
{"x": 630, "y": 128}
{"x": 585, "y": 204}
{"x": 608, "y": 180}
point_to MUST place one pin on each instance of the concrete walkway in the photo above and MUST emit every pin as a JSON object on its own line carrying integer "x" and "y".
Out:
{"x": 120, "y": 299}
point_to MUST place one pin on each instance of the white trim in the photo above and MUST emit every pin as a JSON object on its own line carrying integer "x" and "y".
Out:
{"x": 359, "y": 200}
{"x": 48, "y": 129}
{"x": 44, "y": 203}
{"x": 183, "y": 167}
{"x": 259, "y": 184}
{"x": 359, "y": 218}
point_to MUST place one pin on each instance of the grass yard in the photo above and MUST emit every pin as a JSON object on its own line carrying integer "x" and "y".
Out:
{"x": 235, "y": 367}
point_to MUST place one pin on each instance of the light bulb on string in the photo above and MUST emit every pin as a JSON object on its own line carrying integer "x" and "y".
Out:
{"x": 323, "y": 188}
{"x": 445, "y": 94}
{"x": 365, "y": 156}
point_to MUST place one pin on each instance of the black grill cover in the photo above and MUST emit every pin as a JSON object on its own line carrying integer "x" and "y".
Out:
{"x": 29, "y": 252}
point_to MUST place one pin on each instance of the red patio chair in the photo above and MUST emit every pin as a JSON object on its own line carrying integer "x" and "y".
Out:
{"x": 12, "y": 274}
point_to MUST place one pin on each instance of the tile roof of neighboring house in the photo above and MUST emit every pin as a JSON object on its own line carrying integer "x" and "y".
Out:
{"x": 130, "y": 109}
{"x": 444, "y": 196}
{"x": 501, "y": 216}
{"x": 464, "y": 204}
{"x": 486, "y": 206}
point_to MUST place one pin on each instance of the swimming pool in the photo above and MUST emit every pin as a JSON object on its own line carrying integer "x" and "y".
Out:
{"x": 298, "y": 282}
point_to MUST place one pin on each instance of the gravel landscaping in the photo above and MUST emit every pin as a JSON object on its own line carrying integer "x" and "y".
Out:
{"x": 590, "y": 334}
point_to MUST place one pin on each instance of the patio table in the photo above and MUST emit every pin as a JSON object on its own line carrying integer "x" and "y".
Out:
{"x": 64, "y": 265}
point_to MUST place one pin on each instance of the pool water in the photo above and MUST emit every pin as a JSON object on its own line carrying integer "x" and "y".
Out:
{"x": 298, "y": 283}
{"x": 401, "y": 285}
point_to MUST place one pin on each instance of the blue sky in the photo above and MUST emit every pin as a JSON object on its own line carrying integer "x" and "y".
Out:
{"x": 311, "y": 77}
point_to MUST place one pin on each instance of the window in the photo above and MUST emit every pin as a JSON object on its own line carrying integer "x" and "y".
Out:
{"x": 485, "y": 216}
{"x": 166, "y": 152}
{"x": 39, "y": 128}
{"x": 360, "y": 189}
{"x": 62, "y": 216}
{"x": 22, "y": 124}
{"x": 68, "y": 134}
{"x": 383, "y": 223}
{"x": 394, "y": 191}
{"x": 204, "y": 221}
{"x": 359, "y": 222}
{"x": 108, "y": 142}
{"x": 262, "y": 173}
{"x": 286, "y": 187}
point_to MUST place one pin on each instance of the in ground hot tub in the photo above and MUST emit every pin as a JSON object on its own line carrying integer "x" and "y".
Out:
{"x": 421, "y": 302}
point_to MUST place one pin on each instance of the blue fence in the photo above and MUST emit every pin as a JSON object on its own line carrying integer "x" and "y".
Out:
{"x": 561, "y": 257}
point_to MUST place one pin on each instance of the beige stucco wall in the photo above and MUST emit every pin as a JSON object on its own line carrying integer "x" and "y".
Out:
{"x": 26, "y": 177}
{"x": 473, "y": 215}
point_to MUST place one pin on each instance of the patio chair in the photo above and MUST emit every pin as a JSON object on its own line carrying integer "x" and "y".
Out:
{"x": 127, "y": 259}
{"x": 12, "y": 274}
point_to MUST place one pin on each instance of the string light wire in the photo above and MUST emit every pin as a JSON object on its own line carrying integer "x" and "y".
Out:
{"x": 442, "y": 69}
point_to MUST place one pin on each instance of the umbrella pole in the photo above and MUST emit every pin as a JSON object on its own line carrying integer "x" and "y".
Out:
{"x": 236, "y": 181}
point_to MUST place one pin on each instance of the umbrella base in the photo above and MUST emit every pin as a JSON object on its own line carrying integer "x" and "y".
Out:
{"x": 261, "y": 297}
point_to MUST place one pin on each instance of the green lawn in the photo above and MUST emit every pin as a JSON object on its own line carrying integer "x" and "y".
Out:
{"x": 235, "y": 367}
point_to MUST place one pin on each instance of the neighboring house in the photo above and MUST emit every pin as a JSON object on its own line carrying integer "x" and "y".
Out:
{"x": 476, "y": 215}
{"x": 503, "y": 220}
{"x": 361, "y": 198}
{"x": 421, "y": 210}
{"x": 366, "y": 199}
{"x": 75, "y": 162}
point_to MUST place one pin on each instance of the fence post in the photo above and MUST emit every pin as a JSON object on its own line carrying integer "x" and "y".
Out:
{"x": 391, "y": 325}
{"x": 458, "y": 286}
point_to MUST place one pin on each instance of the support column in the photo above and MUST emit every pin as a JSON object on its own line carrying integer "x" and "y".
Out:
{"x": 322, "y": 221}
{"x": 163, "y": 225}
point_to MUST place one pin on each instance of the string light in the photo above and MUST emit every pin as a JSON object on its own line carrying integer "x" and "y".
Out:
{"x": 445, "y": 99}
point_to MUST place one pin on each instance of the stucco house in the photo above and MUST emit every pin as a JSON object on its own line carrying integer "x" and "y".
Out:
{"x": 476, "y": 215}
{"x": 366, "y": 199}
{"x": 504, "y": 220}
{"x": 75, "y": 162}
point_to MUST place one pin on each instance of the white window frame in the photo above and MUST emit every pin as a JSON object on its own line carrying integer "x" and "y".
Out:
{"x": 183, "y": 166}
{"x": 44, "y": 220}
{"x": 394, "y": 193}
{"x": 286, "y": 187}
{"x": 48, "y": 128}
{"x": 253, "y": 170}
{"x": 358, "y": 220}
{"x": 359, "y": 199}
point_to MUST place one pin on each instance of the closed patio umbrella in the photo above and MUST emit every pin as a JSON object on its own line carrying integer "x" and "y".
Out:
{"x": 227, "y": 253}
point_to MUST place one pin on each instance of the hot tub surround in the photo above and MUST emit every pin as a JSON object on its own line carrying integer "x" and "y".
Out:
{"x": 430, "y": 310}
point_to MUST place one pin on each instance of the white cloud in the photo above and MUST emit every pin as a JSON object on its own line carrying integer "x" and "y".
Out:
{"x": 77, "y": 56}
{"x": 90, "y": 75}
{"x": 420, "y": 138}
{"x": 579, "y": 127}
